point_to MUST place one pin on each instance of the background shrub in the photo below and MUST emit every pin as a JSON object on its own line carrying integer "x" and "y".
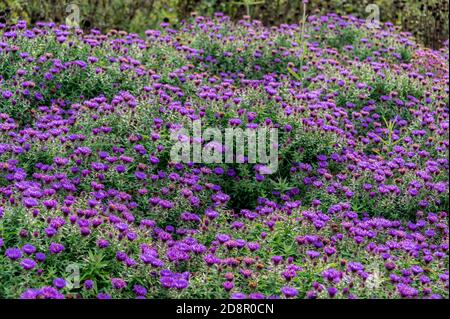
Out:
{"x": 427, "y": 20}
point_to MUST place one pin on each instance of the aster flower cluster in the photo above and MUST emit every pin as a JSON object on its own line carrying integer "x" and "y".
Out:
{"x": 92, "y": 206}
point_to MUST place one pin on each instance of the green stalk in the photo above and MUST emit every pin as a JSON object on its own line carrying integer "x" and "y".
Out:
{"x": 302, "y": 35}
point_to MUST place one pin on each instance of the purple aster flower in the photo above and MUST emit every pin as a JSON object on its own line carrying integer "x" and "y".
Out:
{"x": 13, "y": 253}
{"x": 28, "y": 264}
{"x": 40, "y": 257}
{"x": 118, "y": 283}
{"x": 332, "y": 291}
{"x": 88, "y": 284}
{"x": 56, "y": 248}
{"x": 289, "y": 292}
{"x": 228, "y": 285}
{"x": 406, "y": 291}
{"x": 7, "y": 95}
{"x": 59, "y": 283}
{"x": 28, "y": 249}
{"x": 139, "y": 290}
{"x": 238, "y": 295}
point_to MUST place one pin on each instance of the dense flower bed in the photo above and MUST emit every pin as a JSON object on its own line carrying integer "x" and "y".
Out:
{"x": 357, "y": 209}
